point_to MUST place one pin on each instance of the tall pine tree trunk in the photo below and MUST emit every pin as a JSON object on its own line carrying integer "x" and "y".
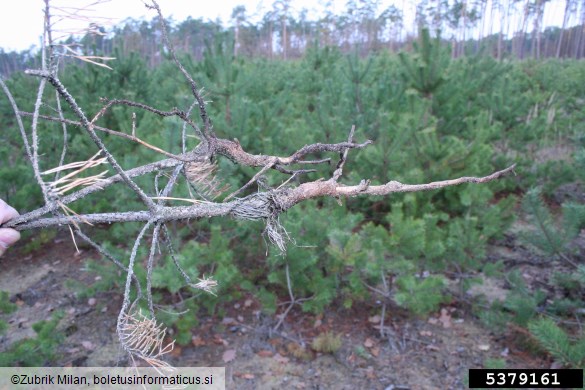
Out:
{"x": 581, "y": 45}
{"x": 270, "y": 50}
{"x": 535, "y": 49}
{"x": 284, "y": 38}
{"x": 565, "y": 17}
{"x": 237, "y": 38}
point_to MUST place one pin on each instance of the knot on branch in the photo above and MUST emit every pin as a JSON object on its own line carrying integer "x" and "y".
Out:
{"x": 253, "y": 207}
{"x": 363, "y": 186}
{"x": 265, "y": 206}
{"x": 261, "y": 205}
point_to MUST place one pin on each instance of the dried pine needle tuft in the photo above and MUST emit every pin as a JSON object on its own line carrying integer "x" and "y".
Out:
{"x": 71, "y": 180}
{"x": 202, "y": 175}
{"x": 144, "y": 338}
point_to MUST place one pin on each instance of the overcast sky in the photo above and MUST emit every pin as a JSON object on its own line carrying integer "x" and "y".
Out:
{"x": 21, "y": 22}
{"x": 21, "y": 26}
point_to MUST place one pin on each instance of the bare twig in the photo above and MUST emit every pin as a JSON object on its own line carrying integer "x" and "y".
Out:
{"x": 149, "y": 266}
{"x": 233, "y": 150}
{"x": 174, "y": 112}
{"x": 129, "y": 276}
{"x": 184, "y": 128}
{"x": 251, "y": 181}
{"x": 131, "y": 137}
{"x": 292, "y": 299}
{"x": 64, "y": 128}
{"x": 109, "y": 256}
{"x": 339, "y": 170}
{"x": 35, "y": 141}
{"x": 384, "y": 303}
{"x": 167, "y": 239}
{"x": 23, "y": 135}
{"x": 208, "y": 129}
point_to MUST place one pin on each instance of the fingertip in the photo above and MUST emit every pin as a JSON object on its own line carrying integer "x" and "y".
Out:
{"x": 7, "y": 212}
{"x": 8, "y": 237}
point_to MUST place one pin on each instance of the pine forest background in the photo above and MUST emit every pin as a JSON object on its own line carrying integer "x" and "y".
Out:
{"x": 436, "y": 104}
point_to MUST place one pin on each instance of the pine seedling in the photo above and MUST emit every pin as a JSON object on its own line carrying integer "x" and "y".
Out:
{"x": 546, "y": 236}
{"x": 557, "y": 342}
{"x": 38, "y": 351}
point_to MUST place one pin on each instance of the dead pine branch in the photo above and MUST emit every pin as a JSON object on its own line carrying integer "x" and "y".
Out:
{"x": 141, "y": 336}
{"x": 257, "y": 206}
